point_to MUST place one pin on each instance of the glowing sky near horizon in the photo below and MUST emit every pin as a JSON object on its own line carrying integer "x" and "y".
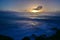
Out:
{"x": 24, "y": 5}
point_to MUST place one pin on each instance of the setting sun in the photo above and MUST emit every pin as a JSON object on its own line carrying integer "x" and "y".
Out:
{"x": 34, "y": 11}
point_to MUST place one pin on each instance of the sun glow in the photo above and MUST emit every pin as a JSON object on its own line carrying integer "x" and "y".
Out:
{"x": 34, "y": 11}
{"x": 37, "y": 11}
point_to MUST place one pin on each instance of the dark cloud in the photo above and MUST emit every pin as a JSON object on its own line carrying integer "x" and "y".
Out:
{"x": 38, "y": 8}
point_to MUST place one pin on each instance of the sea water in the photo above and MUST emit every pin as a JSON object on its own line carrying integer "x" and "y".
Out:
{"x": 20, "y": 24}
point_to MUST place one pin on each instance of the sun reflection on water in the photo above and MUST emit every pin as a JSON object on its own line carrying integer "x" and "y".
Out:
{"x": 28, "y": 24}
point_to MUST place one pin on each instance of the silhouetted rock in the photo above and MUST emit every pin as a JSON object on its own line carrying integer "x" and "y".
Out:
{"x": 58, "y": 34}
{"x": 42, "y": 37}
{"x": 26, "y": 38}
{"x": 2, "y": 37}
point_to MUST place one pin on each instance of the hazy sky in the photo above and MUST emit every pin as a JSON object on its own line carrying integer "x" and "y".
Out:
{"x": 23, "y": 5}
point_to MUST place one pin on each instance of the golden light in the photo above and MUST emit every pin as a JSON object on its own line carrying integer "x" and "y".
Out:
{"x": 34, "y": 11}
{"x": 37, "y": 11}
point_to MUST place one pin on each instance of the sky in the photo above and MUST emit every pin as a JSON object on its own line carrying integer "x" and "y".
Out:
{"x": 25, "y": 5}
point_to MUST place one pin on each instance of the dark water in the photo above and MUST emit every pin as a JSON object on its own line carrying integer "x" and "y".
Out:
{"x": 18, "y": 25}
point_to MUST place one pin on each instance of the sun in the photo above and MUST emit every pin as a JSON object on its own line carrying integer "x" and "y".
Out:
{"x": 35, "y": 11}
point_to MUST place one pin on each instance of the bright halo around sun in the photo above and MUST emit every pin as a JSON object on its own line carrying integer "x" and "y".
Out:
{"x": 35, "y": 11}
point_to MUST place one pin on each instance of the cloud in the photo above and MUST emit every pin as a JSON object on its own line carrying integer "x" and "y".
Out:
{"x": 38, "y": 8}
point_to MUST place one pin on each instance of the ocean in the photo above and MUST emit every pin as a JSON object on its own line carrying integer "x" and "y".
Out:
{"x": 21, "y": 24}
